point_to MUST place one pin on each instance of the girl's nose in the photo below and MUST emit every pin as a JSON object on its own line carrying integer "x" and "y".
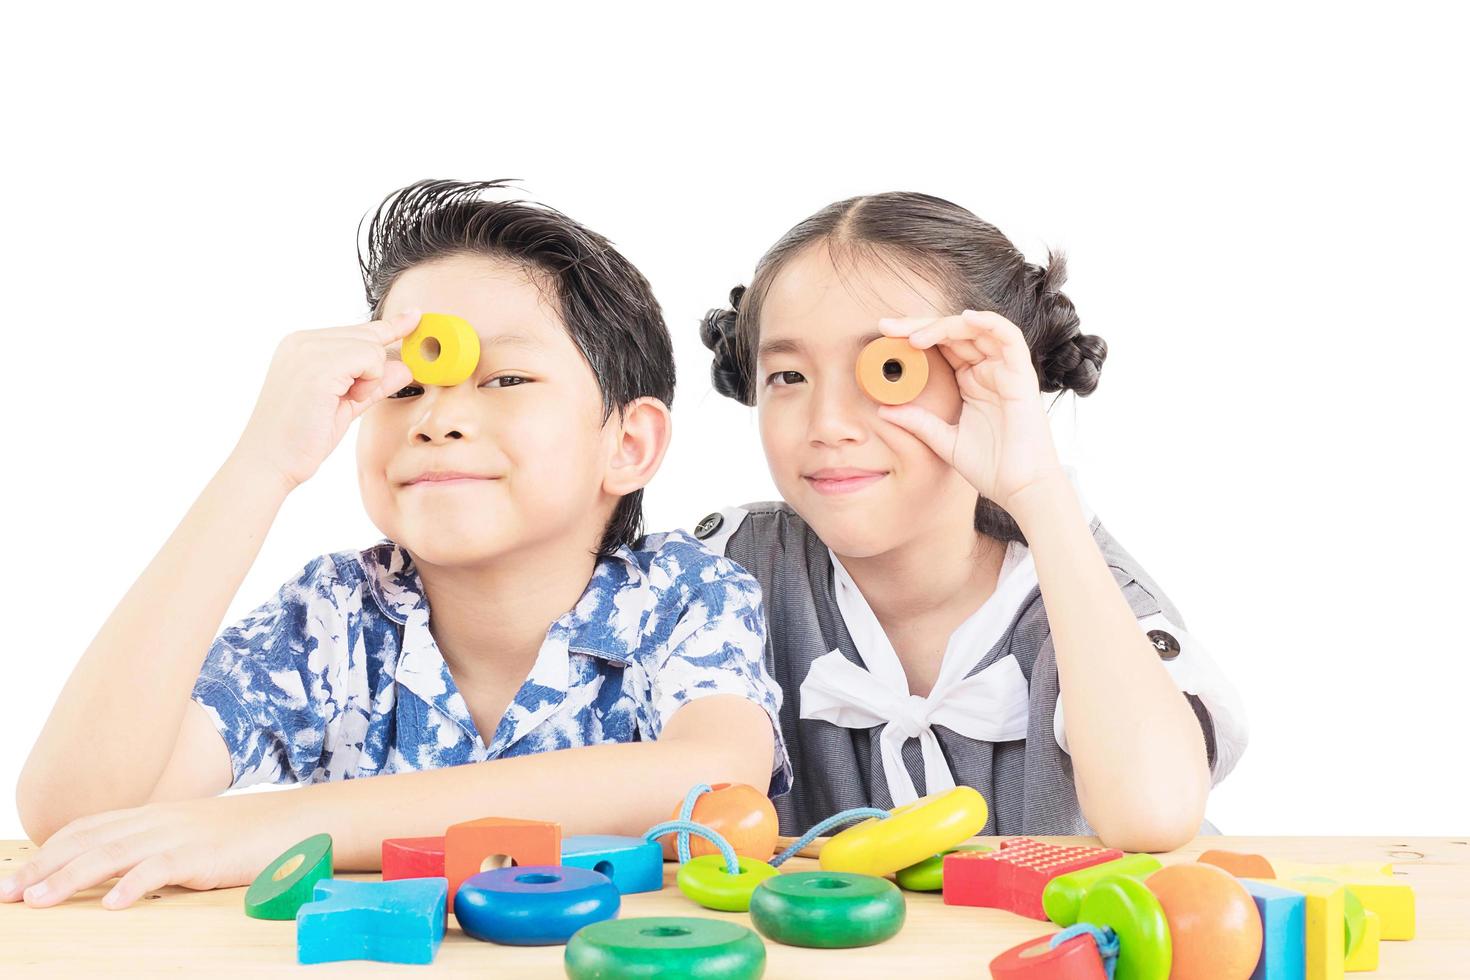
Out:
{"x": 837, "y": 413}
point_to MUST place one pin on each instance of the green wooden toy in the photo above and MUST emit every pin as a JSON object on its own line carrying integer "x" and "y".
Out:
{"x": 827, "y": 909}
{"x": 928, "y": 875}
{"x": 706, "y": 880}
{"x": 290, "y": 880}
{"x": 1062, "y": 896}
{"x": 1125, "y": 905}
{"x": 665, "y": 946}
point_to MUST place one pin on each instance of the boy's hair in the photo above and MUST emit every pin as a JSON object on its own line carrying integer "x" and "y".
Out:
{"x": 605, "y": 303}
{"x": 972, "y": 263}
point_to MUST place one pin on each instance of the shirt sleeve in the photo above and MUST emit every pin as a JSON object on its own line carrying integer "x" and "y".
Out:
{"x": 718, "y": 647}
{"x": 264, "y": 682}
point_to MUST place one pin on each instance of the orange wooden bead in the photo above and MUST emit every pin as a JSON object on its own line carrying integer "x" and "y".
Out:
{"x": 1213, "y": 922}
{"x": 892, "y": 371}
{"x": 741, "y": 814}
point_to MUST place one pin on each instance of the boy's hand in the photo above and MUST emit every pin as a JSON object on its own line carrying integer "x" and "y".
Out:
{"x": 318, "y": 382}
{"x": 208, "y": 843}
{"x": 1002, "y": 442}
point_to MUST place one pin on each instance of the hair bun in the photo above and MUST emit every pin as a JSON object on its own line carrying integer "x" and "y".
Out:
{"x": 1066, "y": 359}
{"x": 717, "y": 331}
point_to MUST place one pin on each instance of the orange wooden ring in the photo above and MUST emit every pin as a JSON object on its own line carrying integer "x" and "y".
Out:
{"x": 741, "y": 814}
{"x": 892, "y": 371}
{"x": 1213, "y": 922}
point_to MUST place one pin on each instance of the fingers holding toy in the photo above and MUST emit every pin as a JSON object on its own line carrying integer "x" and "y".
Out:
{"x": 990, "y": 346}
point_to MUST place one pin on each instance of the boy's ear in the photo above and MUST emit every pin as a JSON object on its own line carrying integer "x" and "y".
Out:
{"x": 641, "y": 437}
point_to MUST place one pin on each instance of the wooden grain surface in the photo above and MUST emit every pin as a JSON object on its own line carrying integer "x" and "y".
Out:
{"x": 179, "y": 932}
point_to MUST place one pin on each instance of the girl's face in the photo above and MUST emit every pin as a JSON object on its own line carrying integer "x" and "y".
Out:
{"x": 522, "y": 438}
{"x": 864, "y": 485}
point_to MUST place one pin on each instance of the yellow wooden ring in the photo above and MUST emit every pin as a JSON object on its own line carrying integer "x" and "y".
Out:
{"x": 910, "y": 834}
{"x": 442, "y": 350}
{"x": 892, "y": 371}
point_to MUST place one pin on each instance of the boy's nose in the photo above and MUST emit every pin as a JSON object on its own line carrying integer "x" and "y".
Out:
{"x": 447, "y": 416}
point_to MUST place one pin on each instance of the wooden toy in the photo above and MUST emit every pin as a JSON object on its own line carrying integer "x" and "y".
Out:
{"x": 827, "y": 909}
{"x": 1036, "y": 959}
{"x": 1326, "y": 933}
{"x": 1062, "y": 896}
{"x": 1392, "y": 901}
{"x": 928, "y": 874}
{"x": 1354, "y": 915}
{"x": 1364, "y": 959}
{"x": 387, "y": 921}
{"x": 442, "y": 350}
{"x": 1352, "y": 869}
{"x": 1013, "y": 877}
{"x": 741, "y": 814}
{"x": 708, "y": 881}
{"x": 1240, "y": 865}
{"x": 908, "y": 835}
{"x": 413, "y": 857}
{"x": 289, "y": 881}
{"x": 633, "y": 864}
{"x": 1126, "y": 906}
{"x": 533, "y": 905}
{"x": 665, "y": 946}
{"x": 1283, "y": 915}
{"x": 1214, "y": 928}
{"x": 892, "y": 371}
{"x": 496, "y": 842}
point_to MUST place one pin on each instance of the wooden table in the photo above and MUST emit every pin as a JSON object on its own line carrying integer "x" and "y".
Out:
{"x": 177, "y": 931}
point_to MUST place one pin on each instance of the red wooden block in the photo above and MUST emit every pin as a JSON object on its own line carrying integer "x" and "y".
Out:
{"x": 413, "y": 857}
{"x": 468, "y": 846}
{"x": 1075, "y": 959}
{"x": 1014, "y": 877}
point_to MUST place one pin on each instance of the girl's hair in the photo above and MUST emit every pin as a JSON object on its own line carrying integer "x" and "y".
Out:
{"x": 606, "y": 305}
{"x": 969, "y": 260}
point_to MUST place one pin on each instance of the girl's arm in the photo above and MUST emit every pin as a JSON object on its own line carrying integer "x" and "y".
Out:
{"x": 225, "y": 842}
{"x": 120, "y": 716}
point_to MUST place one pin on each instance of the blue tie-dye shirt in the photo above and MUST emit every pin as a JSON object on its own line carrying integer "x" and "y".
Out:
{"x": 339, "y": 677}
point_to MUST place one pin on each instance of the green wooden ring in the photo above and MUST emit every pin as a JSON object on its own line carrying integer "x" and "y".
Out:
{"x": 1125, "y": 905}
{"x": 665, "y": 946}
{"x": 289, "y": 881}
{"x": 928, "y": 874}
{"x": 1355, "y": 919}
{"x": 705, "y": 880}
{"x": 827, "y": 909}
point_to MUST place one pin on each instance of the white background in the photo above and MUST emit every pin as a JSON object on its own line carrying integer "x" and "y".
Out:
{"x": 1264, "y": 209}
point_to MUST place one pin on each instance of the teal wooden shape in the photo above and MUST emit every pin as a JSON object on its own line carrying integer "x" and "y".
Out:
{"x": 1283, "y": 931}
{"x": 633, "y": 864}
{"x": 387, "y": 921}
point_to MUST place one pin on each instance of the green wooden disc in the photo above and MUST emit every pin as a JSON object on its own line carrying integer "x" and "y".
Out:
{"x": 289, "y": 881}
{"x": 1125, "y": 905}
{"x": 665, "y": 946}
{"x": 1355, "y": 919}
{"x": 928, "y": 874}
{"x": 705, "y": 880}
{"x": 827, "y": 909}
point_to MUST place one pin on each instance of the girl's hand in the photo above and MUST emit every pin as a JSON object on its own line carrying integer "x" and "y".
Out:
{"x": 1002, "y": 442}
{"x": 318, "y": 382}
{"x": 218, "y": 842}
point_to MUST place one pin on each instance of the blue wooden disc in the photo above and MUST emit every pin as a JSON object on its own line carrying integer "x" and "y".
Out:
{"x": 537, "y": 905}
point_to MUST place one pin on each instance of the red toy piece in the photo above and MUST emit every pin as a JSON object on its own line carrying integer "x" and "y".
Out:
{"x": 413, "y": 857}
{"x": 1239, "y": 865}
{"x": 1014, "y": 877}
{"x": 1075, "y": 959}
{"x": 497, "y": 842}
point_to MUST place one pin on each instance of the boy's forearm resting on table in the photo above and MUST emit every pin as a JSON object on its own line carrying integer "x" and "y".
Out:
{"x": 1137, "y": 749}
{"x": 114, "y": 727}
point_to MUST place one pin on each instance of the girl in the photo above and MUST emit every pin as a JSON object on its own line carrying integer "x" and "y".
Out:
{"x": 943, "y": 607}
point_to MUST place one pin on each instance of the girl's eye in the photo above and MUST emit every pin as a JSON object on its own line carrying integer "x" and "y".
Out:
{"x": 407, "y": 391}
{"x": 785, "y": 378}
{"x": 507, "y": 381}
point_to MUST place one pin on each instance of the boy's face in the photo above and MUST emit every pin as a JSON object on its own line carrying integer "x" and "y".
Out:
{"x": 864, "y": 485}
{"x": 522, "y": 438}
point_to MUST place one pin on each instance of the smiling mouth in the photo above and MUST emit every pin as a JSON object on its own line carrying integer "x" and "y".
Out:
{"x": 841, "y": 483}
{"x": 448, "y": 480}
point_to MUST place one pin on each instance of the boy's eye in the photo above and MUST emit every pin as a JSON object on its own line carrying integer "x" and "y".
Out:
{"x": 407, "y": 391}
{"x": 507, "y": 381}
{"x": 785, "y": 378}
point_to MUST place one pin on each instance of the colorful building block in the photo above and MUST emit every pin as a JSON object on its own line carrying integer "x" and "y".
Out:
{"x": 497, "y": 842}
{"x": 386, "y": 921}
{"x": 633, "y": 864}
{"x": 1326, "y": 935}
{"x": 1283, "y": 915}
{"x": 1391, "y": 900}
{"x": 1240, "y": 865}
{"x": 1014, "y": 877}
{"x": 289, "y": 881}
{"x": 413, "y": 857}
{"x": 1062, "y": 896}
{"x": 1364, "y": 959}
{"x": 1037, "y": 959}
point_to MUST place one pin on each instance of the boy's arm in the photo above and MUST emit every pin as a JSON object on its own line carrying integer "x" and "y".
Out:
{"x": 119, "y": 718}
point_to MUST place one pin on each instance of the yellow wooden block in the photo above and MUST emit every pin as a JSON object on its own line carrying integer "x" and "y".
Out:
{"x": 1365, "y": 957}
{"x": 1326, "y": 935}
{"x": 1393, "y": 901}
{"x": 1337, "y": 872}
